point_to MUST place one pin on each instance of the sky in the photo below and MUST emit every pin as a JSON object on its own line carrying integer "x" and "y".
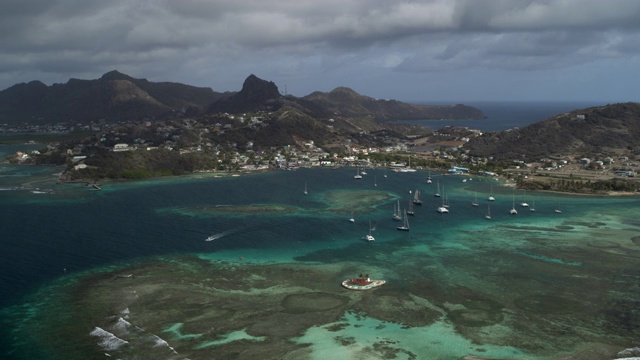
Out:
{"x": 431, "y": 51}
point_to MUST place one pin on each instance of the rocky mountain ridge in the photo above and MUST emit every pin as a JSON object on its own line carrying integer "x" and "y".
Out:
{"x": 119, "y": 97}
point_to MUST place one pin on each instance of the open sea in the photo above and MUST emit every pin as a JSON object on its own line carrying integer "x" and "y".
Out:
{"x": 537, "y": 285}
{"x": 508, "y": 115}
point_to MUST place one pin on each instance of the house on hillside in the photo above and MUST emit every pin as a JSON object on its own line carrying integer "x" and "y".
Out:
{"x": 121, "y": 147}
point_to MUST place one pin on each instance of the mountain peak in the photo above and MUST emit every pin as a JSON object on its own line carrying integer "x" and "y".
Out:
{"x": 255, "y": 88}
{"x": 254, "y": 94}
{"x": 115, "y": 75}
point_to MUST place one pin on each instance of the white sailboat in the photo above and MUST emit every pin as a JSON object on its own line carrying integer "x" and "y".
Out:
{"x": 488, "y": 215}
{"x": 375, "y": 180}
{"x": 429, "y": 178}
{"x": 405, "y": 225}
{"x": 408, "y": 168}
{"x": 524, "y": 203}
{"x": 443, "y": 209}
{"x": 491, "y": 198}
{"x": 416, "y": 197}
{"x": 357, "y": 176}
{"x": 557, "y": 210}
{"x": 410, "y": 211}
{"x": 396, "y": 212}
{"x": 513, "y": 210}
{"x": 475, "y": 200}
{"x": 437, "y": 193}
{"x": 305, "y": 188}
{"x": 352, "y": 219}
{"x": 369, "y": 237}
{"x": 533, "y": 206}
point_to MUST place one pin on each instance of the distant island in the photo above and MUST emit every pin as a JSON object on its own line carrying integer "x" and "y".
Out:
{"x": 117, "y": 98}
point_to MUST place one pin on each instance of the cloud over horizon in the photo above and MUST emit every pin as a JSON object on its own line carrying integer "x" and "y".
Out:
{"x": 440, "y": 49}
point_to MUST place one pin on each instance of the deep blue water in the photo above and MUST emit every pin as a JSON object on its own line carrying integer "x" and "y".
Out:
{"x": 507, "y": 115}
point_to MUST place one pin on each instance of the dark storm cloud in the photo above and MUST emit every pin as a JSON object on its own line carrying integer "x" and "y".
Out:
{"x": 172, "y": 39}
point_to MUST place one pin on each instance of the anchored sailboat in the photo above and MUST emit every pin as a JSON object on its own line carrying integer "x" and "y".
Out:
{"x": 369, "y": 237}
{"x": 475, "y": 200}
{"x": 513, "y": 210}
{"x": 491, "y": 198}
{"x": 416, "y": 198}
{"x": 396, "y": 212}
{"x": 443, "y": 209}
{"x": 405, "y": 225}
{"x": 410, "y": 211}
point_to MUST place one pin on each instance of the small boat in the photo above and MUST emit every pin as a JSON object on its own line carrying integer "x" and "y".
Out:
{"x": 410, "y": 211}
{"x": 405, "y": 225}
{"x": 524, "y": 204}
{"x": 475, "y": 201}
{"x": 491, "y": 198}
{"x": 408, "y": 168}
{"x": 513, "y": 210}
{"x": 429, "y": 178}
{"x": 442, "y": 209}
{"x": 437, "y": 194}
{"x": 369, "y": 237}
{"x": 488, "y": 215}
{"x": 396, "y": 212}
{"x": 305, "y": 189}
{"x": 357, "y": 176}
{"x": 533, "y": 206}
{"x": 557, "y": 210}
{"x": 375, "y": 180}
{"x": 351, "y": 219}
{"x": 416, "y": 198}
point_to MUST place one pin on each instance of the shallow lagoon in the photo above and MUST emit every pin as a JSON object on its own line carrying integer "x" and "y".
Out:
{"x": 530, "y": 286}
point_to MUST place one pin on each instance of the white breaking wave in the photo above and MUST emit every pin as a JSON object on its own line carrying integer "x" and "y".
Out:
{"x": 122, "y": 325}
{"x": 108, "y": 341}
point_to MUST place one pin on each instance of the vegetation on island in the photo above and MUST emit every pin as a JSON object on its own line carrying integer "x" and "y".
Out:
{"x": 584, "y": 151}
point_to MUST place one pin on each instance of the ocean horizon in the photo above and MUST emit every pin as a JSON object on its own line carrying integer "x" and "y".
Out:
{"x": 503, "y": 115}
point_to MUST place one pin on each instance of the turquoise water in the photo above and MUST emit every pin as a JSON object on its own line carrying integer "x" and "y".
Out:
{"x": 488, "y": 279}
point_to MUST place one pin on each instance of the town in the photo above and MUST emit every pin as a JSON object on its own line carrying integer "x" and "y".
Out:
{"x": 231, "y": 143}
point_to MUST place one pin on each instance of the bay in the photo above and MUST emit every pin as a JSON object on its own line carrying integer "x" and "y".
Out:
{"x": 531, "y": 263}
{"x": 535, "y": 285}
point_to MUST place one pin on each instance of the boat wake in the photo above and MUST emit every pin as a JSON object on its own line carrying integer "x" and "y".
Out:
{"x": 222, "y": 234}
{"x": 238, "y": 230}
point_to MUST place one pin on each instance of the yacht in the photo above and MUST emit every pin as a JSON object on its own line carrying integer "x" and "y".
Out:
{"x": 405, "y": 225}
{"x": 369, "y": 237}
{"x": 513, "y": 210}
